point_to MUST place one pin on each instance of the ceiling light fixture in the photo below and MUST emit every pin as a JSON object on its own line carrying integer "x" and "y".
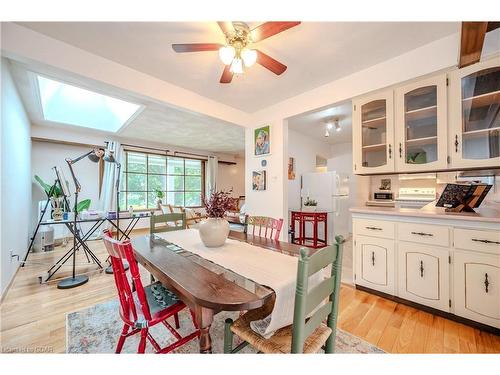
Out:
{"x": 329, "y": 125}
{"x": 327, "y": 133}
{"x": 226, "y": 54}
{"x": 237, "y": 66}
{"x": 249, "y": 56}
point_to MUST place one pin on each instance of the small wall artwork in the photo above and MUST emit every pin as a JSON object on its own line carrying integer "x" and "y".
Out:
{"x": 262, "y": 141}
{"x": 291, "y": 168}
{"x": 259, "y": 180}
{"x": 385, "y": 184}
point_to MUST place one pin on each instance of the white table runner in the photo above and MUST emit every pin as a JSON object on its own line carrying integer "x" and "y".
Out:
{"x": 266, "y": 267}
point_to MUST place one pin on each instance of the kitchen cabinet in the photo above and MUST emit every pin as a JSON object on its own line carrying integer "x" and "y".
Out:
{"x": 420, "y": 125}
{"x": 477, "y": 287}
{"x": 375, "y": 263}
{"x": 474, "y": 137}
{"x": 423, "y": 274}
{"x": 373, "y": 133}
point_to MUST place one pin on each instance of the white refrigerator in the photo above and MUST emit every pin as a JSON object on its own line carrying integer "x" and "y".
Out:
{"x": 331, "y": 191}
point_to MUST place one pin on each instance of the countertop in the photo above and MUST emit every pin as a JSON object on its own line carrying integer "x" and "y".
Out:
{"x": 488, "y": 212}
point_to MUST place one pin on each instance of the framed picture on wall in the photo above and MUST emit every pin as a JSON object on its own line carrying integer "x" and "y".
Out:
{"x": 291, "y": 168}
{"x": 262, "y": 141}
{"x": 258, "y": 180}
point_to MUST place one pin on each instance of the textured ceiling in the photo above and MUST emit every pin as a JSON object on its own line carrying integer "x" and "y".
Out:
{"x": 315, "y": 52}
{"x": 312, "y": 124}
{"x": 157, "y": 123}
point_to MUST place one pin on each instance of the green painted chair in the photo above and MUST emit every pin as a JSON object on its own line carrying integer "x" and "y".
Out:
{"x": 305, "y": 335}
{"x": 167, "y": 222}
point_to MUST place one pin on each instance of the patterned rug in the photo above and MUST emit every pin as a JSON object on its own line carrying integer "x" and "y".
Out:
{"x": 96, "y": 330}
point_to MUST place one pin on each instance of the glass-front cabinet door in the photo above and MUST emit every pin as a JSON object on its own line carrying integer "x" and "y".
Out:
{"x": 475, "y": 115}
{"x": 420, "y": 128}
{"x": 373, "y": 134}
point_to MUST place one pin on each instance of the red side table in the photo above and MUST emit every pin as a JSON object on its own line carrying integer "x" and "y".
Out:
{"x": 301, "y": 218}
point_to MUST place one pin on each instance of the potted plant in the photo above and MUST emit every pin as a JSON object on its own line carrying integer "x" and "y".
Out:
{"x": 56, "y": 196}
{"x": 215, "y": 229}
{"x": 159, "y": 196}
{"x": 309, "y": 205}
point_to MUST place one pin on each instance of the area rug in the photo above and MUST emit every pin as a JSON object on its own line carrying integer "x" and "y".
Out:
{"x": 96, "y": 330}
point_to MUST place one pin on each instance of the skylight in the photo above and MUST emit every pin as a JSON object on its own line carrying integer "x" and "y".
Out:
{"x": 72, "y": 105}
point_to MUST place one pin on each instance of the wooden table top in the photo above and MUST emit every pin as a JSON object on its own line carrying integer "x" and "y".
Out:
{"x": 200, "y": 282}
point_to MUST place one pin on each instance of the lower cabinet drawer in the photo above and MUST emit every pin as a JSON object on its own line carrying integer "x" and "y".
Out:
{"x": 375, "y": 228}
{"x": 423, "y": 274}
{"x": 477, "y": 287}
{"x": 480, "y": 240}
{"x": 436, "y": 235}
{"x": 374, "y": 263}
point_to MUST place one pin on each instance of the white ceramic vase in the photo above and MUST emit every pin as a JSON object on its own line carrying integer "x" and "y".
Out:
{"x": 214, "y": 231}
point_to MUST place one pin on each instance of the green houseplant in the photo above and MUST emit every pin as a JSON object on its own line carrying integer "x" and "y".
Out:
{"x": 159, "y": 196}
{"x": 309, "y": 205}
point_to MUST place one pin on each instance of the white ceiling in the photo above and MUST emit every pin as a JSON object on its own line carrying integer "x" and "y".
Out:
{"x": 312, "y": 124}
{"x": 315, "y": 53}
{"x": 157, "y": 123}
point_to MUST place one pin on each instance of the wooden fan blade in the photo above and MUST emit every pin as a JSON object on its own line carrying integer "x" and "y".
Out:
{"x": 268, "y": 29}
{"x": 269, "y": 63}
{"x": 196, "y": 47}
{"x": 227, "y": 75}
{"x": 226, "y": 27}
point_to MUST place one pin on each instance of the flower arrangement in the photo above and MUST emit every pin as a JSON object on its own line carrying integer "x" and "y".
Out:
{"x": 218, "y": 203}
{"x": 310, "y": 202}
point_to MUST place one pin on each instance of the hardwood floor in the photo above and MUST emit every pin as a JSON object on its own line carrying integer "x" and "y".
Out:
{"x": 33, "y": 315}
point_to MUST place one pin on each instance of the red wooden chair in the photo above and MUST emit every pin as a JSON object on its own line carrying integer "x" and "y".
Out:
{"x": 263, "y": 226}
{"x": 146, "y": 306}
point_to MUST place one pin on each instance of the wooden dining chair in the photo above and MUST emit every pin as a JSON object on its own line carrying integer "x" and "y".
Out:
{"x": 167, "y": 222}
{"x": 263, "y": 226}
{"x": 308, "y": 333}
{"x": 142, "y": 307}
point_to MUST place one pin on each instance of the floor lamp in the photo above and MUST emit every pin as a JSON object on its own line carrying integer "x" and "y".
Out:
{"x": 77, "y": 280}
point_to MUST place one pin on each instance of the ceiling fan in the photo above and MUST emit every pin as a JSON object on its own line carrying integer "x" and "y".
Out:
{"x": 236, "y": 53}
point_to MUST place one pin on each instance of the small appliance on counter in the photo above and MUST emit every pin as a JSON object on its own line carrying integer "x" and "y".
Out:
{"x": 415, "y": 197}
{"x": 381, "y": 199}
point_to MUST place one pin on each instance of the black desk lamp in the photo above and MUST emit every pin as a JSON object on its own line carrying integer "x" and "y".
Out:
{"x": 76, "y": 280}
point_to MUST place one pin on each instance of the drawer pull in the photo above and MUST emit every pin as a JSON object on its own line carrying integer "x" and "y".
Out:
{"x": 422, "y": 234}
{"x": 373, "y": 258}
{"x": 373, "y": 228}
{"x": 486, "y": 283}
{"x": 485, "y": 241}
{"x": 421, "y": 269}
{"x": 456, "y": 143}
{"x": 400, "y": 150}
{"x": 390, "y": 151}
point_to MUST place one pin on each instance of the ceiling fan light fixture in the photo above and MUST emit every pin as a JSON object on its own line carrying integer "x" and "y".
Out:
{"x": 337, "y": 126}
{"x": 327, "y": 133}
{"x": 226, "y": 54}
{"x": 329, "y": 126}
{"x": 237, "y": 66}
{"x": 249, "y": 56}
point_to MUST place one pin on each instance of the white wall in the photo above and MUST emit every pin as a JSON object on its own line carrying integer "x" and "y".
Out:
{"x": 15, "y": 177}
{"x": 304, "y": 149}
{"x": 232, "y": 177}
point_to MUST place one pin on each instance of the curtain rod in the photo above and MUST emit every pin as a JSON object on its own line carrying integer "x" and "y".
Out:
{"x": 166, "y": 151}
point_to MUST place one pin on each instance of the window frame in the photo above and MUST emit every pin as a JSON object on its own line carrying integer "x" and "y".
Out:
{"x": 125, "y": 173}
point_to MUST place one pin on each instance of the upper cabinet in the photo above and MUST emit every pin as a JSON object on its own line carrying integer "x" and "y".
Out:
{"x": 373, "y": 133}
{"x": 474, "y": 139}
{"x": 428, "y": 125}
{"x": 420, "y": 128}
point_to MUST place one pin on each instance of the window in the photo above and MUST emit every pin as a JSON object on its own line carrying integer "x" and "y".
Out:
{"x": 67, "y": 104}
{"x": 180, "y": 179}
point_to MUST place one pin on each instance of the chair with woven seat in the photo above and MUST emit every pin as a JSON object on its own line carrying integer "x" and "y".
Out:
{"x": 167, "y": 222}
{"x": 308, "y": 333}
{"x": 142, "y": 307}
{"x": 263, "y": 226}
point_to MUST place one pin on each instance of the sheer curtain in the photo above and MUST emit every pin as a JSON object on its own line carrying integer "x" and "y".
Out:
{"x": 211, "y": 175}
{"x": 107, "y": 199}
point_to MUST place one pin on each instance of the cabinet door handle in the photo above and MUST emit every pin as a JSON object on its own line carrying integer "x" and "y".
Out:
{"x": 422, "y": 234}
{"x": 373, "y": 262}
{"x": 390, "y": 151}
{"x": 373, "y": 228}
{"x": 400, "y": 150}
{"x": 485, "y": 241}
{"x": 421, "y": 268}
{"x": 486, "y": 283}
{"x": 456, "y": 143}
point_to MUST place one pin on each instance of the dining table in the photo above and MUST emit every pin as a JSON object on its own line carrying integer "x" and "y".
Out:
{"x": 206, "y": 287}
